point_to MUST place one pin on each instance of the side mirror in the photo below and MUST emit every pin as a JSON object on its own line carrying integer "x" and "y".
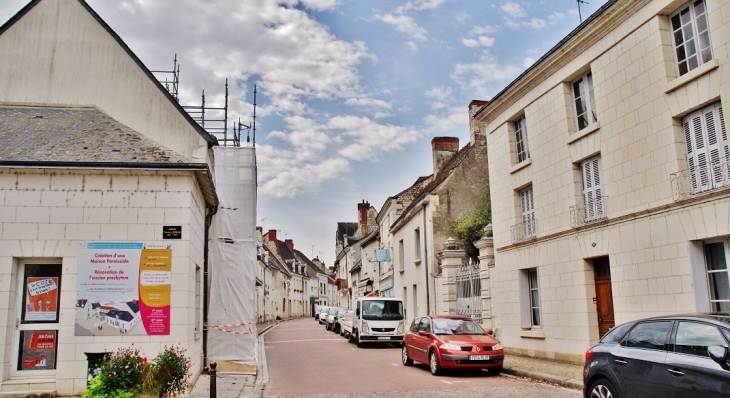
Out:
{"x": 357, "y": 312}
{"x": 490, "y": 332}
{"x": 719, "y": 354}
{"x": 423, "y": 333}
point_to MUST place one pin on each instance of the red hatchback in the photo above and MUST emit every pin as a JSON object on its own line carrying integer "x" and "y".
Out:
{"x": 451, "y": 342}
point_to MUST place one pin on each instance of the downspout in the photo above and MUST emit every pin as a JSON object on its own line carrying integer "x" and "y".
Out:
{"x": 210, "y": 211}
{"x": 425, "y": 257}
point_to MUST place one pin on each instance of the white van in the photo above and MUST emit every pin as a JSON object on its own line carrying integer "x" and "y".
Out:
{"x": 378, "y": 320}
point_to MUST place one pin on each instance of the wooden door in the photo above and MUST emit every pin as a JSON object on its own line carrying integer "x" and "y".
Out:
{"x": 604, "y": 297}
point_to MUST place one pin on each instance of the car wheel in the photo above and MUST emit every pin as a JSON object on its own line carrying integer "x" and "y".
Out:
{"x": 357, "y": 340}
{"x": 349, "y": 338}
{"x": 407, "y": 361}
{"x": 433, "y": 363}
{"x": 602, "y": 388}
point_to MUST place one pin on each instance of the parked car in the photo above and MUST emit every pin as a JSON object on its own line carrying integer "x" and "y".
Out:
{"x": 322, "y": 316}
{"x": 669, "y": 356}
{"x": 330, "y": 318}
{"x": 451, "y": 342}
{"x": 346, "y": 325}
{"x": 337, "y": 326}
{"x": 378, "y": 320}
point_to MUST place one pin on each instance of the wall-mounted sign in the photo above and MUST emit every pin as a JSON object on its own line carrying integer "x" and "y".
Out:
{"x": 42, "y": 289}
{"x": 37, "y": 350}
{"x": 123, "y": 287}
{"x": 382, "y": 255}
{"x": 171, "y": 232}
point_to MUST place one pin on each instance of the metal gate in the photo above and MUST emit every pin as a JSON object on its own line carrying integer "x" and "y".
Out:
{"x": 469, "y": 291}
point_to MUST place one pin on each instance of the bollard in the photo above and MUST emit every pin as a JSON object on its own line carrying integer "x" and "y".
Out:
{"x": 212, "y": 380}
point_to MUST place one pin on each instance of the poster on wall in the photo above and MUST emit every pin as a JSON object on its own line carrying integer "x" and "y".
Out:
{"x": 37, "y": 350}
{"x": 123, "y": 288}
{"x": 41, "y": 299}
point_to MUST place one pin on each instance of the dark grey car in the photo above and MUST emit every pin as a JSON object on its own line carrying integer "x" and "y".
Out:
{"x": 670, "y": 356}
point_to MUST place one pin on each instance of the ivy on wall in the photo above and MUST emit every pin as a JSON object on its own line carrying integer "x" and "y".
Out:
{"x": 469, "y": 227}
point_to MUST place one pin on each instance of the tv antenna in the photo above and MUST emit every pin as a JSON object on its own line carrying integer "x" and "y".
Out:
{"x": 579, "y": 3}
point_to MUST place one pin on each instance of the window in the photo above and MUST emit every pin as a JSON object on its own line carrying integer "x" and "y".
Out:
{"x": 594, "y": 201}
{"x": 693, "y": 338}
{"x": 585, "y": 102}
{"x": 717, "y": 276}
{"x": 691, "y": 36}
{"x": 707, "y": 148}
{"x": 523, "y": 153}
{"x": 401, "y": 256}
{"x": 529, "y": 299}
{"x": 650, "y": 335}
{"x": 528, "y": 213}
{"x": 417, "y": 243}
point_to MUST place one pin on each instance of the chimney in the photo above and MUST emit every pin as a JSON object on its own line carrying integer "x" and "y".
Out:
{"x": 443, "y": 148}
{"x": 362, "y": 211}
{"x": 272, "y": 235}
{"x": 290, "y": 245}
{"x": 474, "y": 130}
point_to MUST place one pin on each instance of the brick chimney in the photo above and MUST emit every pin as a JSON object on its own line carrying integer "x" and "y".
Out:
{"x": 272, "y": 235}
{"x": 362, "y": 211}
{"x": 290, "y": 245}
{"x": 443, "y": 149}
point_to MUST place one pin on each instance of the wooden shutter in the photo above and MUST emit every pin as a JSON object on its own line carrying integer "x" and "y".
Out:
{"x": 592, "y": 188}
{"x": 707, "y": 148}
{"x": 525, "y": 307}
{"x": 528, "y": 212}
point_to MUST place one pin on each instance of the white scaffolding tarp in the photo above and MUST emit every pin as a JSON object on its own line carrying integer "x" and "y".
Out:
{"x": 232, "y": 258}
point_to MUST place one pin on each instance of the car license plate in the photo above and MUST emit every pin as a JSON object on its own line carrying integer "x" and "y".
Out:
{"x": 383, "y": 338}
{"x": 478, "y": 357}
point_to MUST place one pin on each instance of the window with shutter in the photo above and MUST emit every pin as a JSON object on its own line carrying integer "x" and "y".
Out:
{"x": 594, "y": 201}
{"x": 707, "y": 149}
{"x": 528, "y": 213}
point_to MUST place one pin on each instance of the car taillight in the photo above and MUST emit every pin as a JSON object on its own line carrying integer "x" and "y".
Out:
{"x": 589, "y": 354}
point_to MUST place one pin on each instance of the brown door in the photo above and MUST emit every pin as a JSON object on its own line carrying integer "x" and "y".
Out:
{"x": 604, "y": 297}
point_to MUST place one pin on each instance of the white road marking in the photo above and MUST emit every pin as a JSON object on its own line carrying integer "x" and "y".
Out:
{"x": 455, "y": 381}
{"x": 395, "y": 364}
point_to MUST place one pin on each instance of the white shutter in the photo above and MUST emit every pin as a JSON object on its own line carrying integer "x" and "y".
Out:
{"x": 707, "y": 148}
{"x": 525, "y": 307}
{"x": 592, "y": 188}
{"x": 528, "y": 213}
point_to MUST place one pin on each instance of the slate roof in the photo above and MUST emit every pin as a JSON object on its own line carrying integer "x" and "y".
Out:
{"x": 345, "y": 228}
{"x": 51, "y": 134}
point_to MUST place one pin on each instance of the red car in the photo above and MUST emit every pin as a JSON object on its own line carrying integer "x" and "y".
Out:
{"x": 451, "y": 342}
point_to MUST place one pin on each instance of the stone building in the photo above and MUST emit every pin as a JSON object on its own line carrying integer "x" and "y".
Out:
{"x": 608, "y": 164}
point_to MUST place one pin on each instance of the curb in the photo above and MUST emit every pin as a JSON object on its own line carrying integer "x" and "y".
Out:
{"x": 567, "y": 383}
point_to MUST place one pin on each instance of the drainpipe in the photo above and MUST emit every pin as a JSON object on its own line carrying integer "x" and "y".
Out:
{"x": 210, "y": 211}
{"x": 425, "y": 257}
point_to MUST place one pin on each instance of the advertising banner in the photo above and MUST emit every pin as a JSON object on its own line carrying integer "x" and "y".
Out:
{"x": 123, "y": 287}
{"x": 41, "y": 300}
{"x": 38, "y": 350}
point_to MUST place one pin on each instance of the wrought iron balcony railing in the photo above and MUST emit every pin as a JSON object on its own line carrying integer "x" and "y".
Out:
{"x": 524, "y": 231}
{"x": 589, "y": 212}
{"x": 700, "y": 179}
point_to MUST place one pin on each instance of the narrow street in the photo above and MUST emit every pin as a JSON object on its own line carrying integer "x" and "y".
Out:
{"x": 304, "y": 359}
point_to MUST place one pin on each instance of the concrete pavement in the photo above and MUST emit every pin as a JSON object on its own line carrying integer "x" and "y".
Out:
{"x": 235, "y": 385}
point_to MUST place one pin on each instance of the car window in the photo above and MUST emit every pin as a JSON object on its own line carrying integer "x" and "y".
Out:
{"x": 414, "y": 325}
{"x": 651, "y": 335}
{"x": 425, "y": 325}
{"x": 456, "y": 326}
{"x": 693, "y": 338}
{"x": 616, "y": 334}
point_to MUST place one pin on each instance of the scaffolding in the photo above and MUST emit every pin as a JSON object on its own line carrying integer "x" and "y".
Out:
{"x": 214, "y": 119}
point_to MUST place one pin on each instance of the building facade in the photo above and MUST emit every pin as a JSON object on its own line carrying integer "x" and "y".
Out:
{"x": 608, "y": 170}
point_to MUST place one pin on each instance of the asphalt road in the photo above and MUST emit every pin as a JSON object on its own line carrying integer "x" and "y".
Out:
{"x": 304, "y": 359}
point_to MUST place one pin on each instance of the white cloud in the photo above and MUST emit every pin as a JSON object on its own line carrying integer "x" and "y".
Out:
{"x": 419, "y": 5}
{"x": 440, "y": 97}
{"x": 404, "y": 24}
{"x": 527, "y": 62}
{"x": 483, "y": 30}
{"x": 514, "y": 10}
{"x": 481, "y": 41}
{"x": 476, "y": 75}
{"x": 368, "y": 140}
{"x": 320, "y": 5}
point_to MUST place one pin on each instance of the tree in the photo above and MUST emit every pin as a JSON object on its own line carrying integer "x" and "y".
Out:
{"x": 469, "y": 227}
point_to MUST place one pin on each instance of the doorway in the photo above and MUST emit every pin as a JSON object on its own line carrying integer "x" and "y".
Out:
{"x": 35, "y": 342}
{"x": 604, "y": 295}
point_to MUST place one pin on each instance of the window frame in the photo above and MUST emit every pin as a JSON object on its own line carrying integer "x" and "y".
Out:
{"x": 417, "y": 243}
{"x": 529, "y": 302}
{"x": 585, "y": 84}
{"x": 527, "y": 212}
{"x": 591, "y": 169}
{"x": 693, "y": 24}
{"x": 522, "y": 148}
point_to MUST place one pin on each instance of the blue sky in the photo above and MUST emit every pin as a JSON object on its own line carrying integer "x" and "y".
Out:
{"x": 350, "y": 92}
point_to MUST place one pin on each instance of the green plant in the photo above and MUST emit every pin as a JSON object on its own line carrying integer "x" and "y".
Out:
{"x": 171, "y": 371}
{"x": 469, "y": 228}
{"x": 123, "y": 370}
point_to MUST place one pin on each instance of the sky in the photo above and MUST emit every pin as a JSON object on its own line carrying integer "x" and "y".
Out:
{"x": 349, "y": 92}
